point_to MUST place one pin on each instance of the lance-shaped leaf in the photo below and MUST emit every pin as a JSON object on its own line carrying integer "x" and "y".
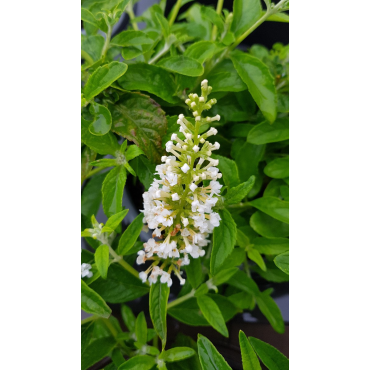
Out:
{"x": 114, "y": 221}
{"x": 238, "y": 193}
{"x": 102, "y": 260}
{"x": 265, "y": 133}
{"x": 249, "y": 357}
{"x": 203, "y": 50}
{"x": 141, "y": 329}
{"x": 130, "y": 236}
{"x": 272, "y": 246}
{"x": 132, "y": 152}
{"x": 176, "y": 354}
{"x": 278, "y": 168}
{"x": 182, "y": 65}
{"x": 91, "y": 302}
{"x": 282, "y": 261}
{"x": 210, "y": 358}
{"x": 267, "y": 226}
{"x": 96, "y": 351}
{"x": 103, "y": 77}
{"x": 274, "y": 207}
{"x": 131, "y": 38}
{"x": 143, "y": 362}
{"x": 246, "y": 13}
{"x": 228, "y": 169}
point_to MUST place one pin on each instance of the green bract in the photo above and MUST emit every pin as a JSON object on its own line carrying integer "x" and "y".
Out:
{"x": 193, "y": 130}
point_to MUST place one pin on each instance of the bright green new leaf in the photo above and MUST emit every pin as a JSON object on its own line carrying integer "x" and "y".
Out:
{"x": 265, "y": 133}
{"x": 130, "y": 236}
{"x": 131, "y": 38}
{"x": 279, "y": 17}
{"x": 158, "y": 298}
{"x": 91, "y": 302}
{"x": 267, "y": 226}
{"x": 141, "y": 329}
{"x": 282, "y": 261}
{"x": 210, "y": 358}
{"x": 103, "y": 120}
{"x": 229, "y": 170}
{"x": 260, "y": 82}
{"x": 93, "y": 46}
{"x": 238, "y": 193}
{"x": 115, "y": 220}
{"x": 88, "y": 17}
{"x": 224, "y": 237}
{"x": 132, "y": 152}
{"x": 203, "y": 50}
{"x": 102, "y": 260}
{"x": 224, "y": 275}
{"x": 143, "y": 362}
{"x": 182, "y": 65}
{"x": 274, "y": 207}
{"x": 249, "y": 357}
{"x": 246, "y": 13}
{"x": 271, "y": 246}
{"x": 241, "y": 239}
{"x": 255, "y": 256}
{"x": 103, "y": 77}
{"x": 112, "y": 190}
{"x": 278, "y": 168}
{"x": 176, "y": 354}
{"x": 165, "y": 27}
{"x": 270, "y": 356}
{"x": 128, "y": 317}
{"x": 104, "y": 162}
{"x": 213, "y": 17}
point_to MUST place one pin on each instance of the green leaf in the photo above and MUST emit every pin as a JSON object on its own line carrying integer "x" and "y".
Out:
{"x": 128, "y": 317}
{"x": 158, "y": 298}
{"x": 229, "y": 170}
{"x": 176, "y": 354}
{"x": 106, "y": 144}
{"x": 212, "y": 314}
{"x": 138, "y": 363}
{"x": 165, "y": 27}
{"x": 102, "y": 260}
{"x": 236, "y": 258}
{"x": 278, "y": 17}
{"x": 260, "y": 82}
{"x": 224, "y": 275}
{"x": 278, "y": 168}
{"x": 213, "y": 17}
{"x": 141, "y": 329}
{"x": 96, "y": 351}
{"x": 273, "y": 188}
{"x": 272, "y": 273}
{"x": 120, "y": 286}
{"x": 246, "y": 13}
{"x": 210, "y": 358}
{"x": 270, "y": 356}
{"x": 115, "y": 220}
{"x": 112, "y": 190}
{"x": 144, "y": 170}
{"x": 203, "y": 50}
{"x": 130, "y": 236}
{"x": 282, "y": 261}
{"x": 283, "y": 103}
{"x": 132, "y": 152}
{"x": 241, "y": 239}
{"x": 224, "y": 77}
{"x": 243, "y": 282}
{"x": 103, "y": 120}
{"x": 240, "y": 129}
{"x": 150, "y": 78}
{"x": 265, "y": 133}
{"x": 224, "y": 237}
{"x": 268, "y": 226}
{"x": 93, "y": 46}
{"x": 249, "y": 357}
{"x": 194, "y": 272}
{"x": 271, "y": 246}
{"x": 238, "y": 193}
{"x": 91, "y": 195}
{"x": 255, "y": 256}
{"x": 182, "y": 65}
{"x": 91, "y": 302}
{"x": 274, "y": 207}
{"x": 117, "y": 357}
{"x": 271, "y": 311}
{"x": 104, "y": 162}
{"x": 141, "y": 120}
{"x": 103, "y": 77}
{"x": 131, "y": 38}
{"x": 89, "y": 18}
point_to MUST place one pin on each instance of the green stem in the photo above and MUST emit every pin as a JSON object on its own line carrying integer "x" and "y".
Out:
{"x": 94, "y": 171}
{"x": 220, "y": 5}
{"x": 239, "y": 206}
{"x": 107, "y": 40}
{"x": 131, "y": 14}
{"x": 174, "y": 13}
{"x": 160, "y": 54}
{"x": 87, "y": 57}
{"x": 181, "y": 299}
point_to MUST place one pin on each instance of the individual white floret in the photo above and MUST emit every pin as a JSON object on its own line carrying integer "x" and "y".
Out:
{"x": 143, "y": 276}
{"x": 185, "y": 168}
{"x": 185, "y": 221}
{"x": 85, "y": 270}
{"x": 193, "y": 187}
{"x": 196, "y": 148}
{"x": 140, "y": 258}
{"x": 166, "y": 278}
{"x": 175, "y": 197}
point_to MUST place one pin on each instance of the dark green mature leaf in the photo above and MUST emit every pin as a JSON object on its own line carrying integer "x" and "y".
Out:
{"x": 228, "y": 169}
{"x": 141, "y": 330}
{"x": 210, "y": 358}
{"x": 120, "y": 286}
{"x": 255, "y": 256}
{"x": 91, "y": 302}
{"x": 131, "y": 38}
{"x": 224, "y": 275}
{"x": 246, "y": 13}
{"x": 273, "y": 273}
{"x": 87, "y": 156}
{"x": 241, "y": 129}
{"x": 183, "y": 65}
{"x": 260, "y": 82}
{"x": 143, "y": 362}
{"x": 273, "y": 188}
{"x": 268, "y": 226}
{"x": 158, "y": 298}
{"x": 236, "y": 258}
{"x": 249, "y": 357}
{"x": 238, "y": 193}
{"x": 141, "y": 120}
{"x": 103, "y": 77}
{"x": 114, "y": 221}
{"x": 224, "y": 77}
{"x": 278, "y": 168}
{"x": 272, "y": 246}
{"x": 146, "y": 77}
{"x": 194, "y": 272}
{"x": 274, "y": 207}
{"x": 177, "y": 354}
{"x": 212, "y": 314}
{"x": 203, "y": 50}
{"x": 96, "y": 350}
{"x": 282, "y": 261}
{"x": 224, "y": 238}
{"x": 128, "y": 317}
{"x": 106, "y": 144}
{"x": 243, "y": 282}
{"x": 112, "y": 190}
{"x": 130, "y": 236}
{"x": 265, "y": 133}
{"x": 270, "y": 356}
{"x": 102, "y": 260}
{"x": 91, "y": 195}
{"x": 144, "y": 170}
{"x": 271, "y": 311}
{"x": 103, "y": 120}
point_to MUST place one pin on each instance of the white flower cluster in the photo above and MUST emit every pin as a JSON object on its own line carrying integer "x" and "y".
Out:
{"x": 179, "y": 206}
{"x": 85, "y": 270}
